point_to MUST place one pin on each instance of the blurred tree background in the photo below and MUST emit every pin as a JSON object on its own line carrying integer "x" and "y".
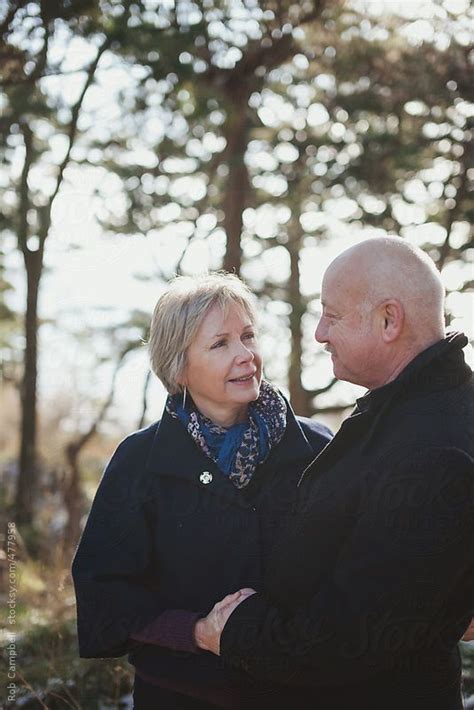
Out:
{"x": 141, "y": 139}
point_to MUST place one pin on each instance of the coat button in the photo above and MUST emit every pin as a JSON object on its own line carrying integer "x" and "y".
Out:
{"x": 205, "y": 477}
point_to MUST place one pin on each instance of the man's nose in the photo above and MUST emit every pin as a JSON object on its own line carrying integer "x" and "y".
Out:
{"x": 321, "y": 331}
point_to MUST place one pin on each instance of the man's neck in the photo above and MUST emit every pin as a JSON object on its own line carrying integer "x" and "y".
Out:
{"x": 403, "y": 358}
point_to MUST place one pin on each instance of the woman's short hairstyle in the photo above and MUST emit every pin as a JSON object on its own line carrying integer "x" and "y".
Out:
{"x": 180, "y": 311}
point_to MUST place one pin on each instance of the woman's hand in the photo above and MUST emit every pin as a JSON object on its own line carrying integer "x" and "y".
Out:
{"x": 469, "y": 633}
{"x": 207, "y": 631}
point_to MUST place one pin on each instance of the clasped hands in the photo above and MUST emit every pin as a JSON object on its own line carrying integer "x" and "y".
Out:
{"x": 208, "y": 630}
{"x": 469, "y": 633}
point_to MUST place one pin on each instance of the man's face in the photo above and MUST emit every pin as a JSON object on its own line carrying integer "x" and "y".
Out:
{"x": 348, "y": 329}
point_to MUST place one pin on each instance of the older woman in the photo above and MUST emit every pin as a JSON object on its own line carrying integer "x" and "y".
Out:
{"x": 187, "y": 508}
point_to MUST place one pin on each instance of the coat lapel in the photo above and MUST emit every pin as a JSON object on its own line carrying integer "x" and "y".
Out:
{"x": 174, "y": 454}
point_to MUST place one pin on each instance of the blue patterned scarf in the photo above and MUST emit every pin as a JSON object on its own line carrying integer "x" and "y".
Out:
{"x": 238, "y": 450}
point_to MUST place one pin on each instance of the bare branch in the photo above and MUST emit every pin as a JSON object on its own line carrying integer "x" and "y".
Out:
{"x": 321, "y": 390}
{"x": 452, "y": 214}
{"x": 24, "y": 192}
{"x": 74, "y": 447}
{"x": 72, "y": 132}
{"x": 144, "y": 399}
{"x": 334, "y": 409}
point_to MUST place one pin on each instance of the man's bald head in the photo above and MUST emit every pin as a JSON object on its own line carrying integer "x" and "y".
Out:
{"x": 382, "y": 304}
{"x": 385, "y": 268}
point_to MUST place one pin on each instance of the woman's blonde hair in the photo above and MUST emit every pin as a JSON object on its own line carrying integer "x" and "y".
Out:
{"x": 180, "y": 311}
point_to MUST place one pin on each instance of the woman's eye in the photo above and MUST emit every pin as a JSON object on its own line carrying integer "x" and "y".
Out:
{"x": 219, "y": 344}
{"x": 249, "y": 336}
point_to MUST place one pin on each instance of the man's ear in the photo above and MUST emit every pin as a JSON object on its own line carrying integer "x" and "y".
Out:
{"x": 393, "y": 318}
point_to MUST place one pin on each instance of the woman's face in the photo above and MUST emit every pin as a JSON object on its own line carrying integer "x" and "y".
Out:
{"x": 224, "y": 367}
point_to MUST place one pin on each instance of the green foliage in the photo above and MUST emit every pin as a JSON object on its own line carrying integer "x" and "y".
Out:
{"x": 217, "y": 93}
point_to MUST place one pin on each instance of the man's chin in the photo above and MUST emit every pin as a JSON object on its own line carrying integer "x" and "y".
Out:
{"x": 340, "y": 374}
{"x": 338, "y": 371}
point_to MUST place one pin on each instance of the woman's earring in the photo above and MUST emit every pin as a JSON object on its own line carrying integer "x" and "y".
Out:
{"x": 184, "y": 396}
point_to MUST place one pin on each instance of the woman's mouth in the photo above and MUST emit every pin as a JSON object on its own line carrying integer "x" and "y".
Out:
{"x": 245, "y": 378}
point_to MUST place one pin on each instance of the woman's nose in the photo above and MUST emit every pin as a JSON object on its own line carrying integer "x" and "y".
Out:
{"x": 244, "y": 354}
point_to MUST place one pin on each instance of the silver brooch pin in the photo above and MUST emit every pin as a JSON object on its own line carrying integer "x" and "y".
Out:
{"x": 205, "y": 477}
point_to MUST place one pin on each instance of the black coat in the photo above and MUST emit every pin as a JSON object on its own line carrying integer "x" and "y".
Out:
{"x": 161, "y": 535}
{"x": 372, "y": 584}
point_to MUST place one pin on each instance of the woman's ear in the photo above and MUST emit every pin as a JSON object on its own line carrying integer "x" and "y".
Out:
{"x": 181, "y": 380}
{"x": 393, "y": 319}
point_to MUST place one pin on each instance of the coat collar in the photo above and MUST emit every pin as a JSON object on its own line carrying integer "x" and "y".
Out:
{"x": 174, "y": 453}
{"x": 440, "y": 366}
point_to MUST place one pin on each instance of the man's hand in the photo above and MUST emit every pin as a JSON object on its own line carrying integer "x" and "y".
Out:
{"x": 207, "y": 631}
{"x": 469, "y": 633}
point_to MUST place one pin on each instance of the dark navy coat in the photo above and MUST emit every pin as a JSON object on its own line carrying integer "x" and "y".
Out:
{"x": 167, "y": 530}
{"x": 372, "y": 584}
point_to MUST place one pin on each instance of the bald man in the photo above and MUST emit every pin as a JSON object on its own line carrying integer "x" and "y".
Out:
{"x": 383, "y": 304}
{"x": 372, "y": 585}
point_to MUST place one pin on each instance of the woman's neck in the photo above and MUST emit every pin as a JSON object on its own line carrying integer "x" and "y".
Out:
{"x": 223, "y": 416}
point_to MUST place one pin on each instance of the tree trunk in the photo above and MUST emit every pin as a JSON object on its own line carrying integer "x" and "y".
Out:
{"x": 141, "y": 422}
{"x": 73, "y": 498}
{"x": 28, "y": 464}
{"x": 237, "y": 186}
{"x": 298, "y": 396}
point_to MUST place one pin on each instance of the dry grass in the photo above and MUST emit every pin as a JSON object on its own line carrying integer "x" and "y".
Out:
{"x": 49, "y": 673}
